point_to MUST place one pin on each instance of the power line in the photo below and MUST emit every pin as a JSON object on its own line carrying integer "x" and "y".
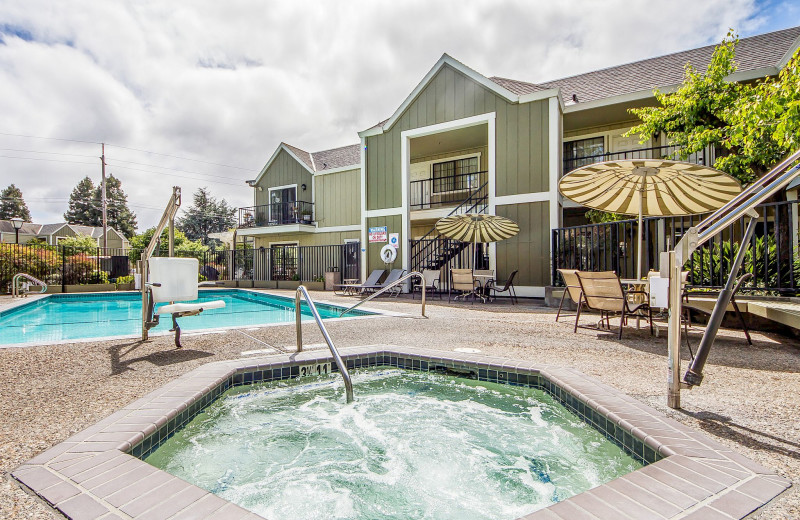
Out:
{"x": 168, "y": 168}
{"x": 176, "y": 175}
{"x": 42, "y": 159}
{"x": 179, "y": 157}
{"x": 49, "y": 138}
{"x": 49, "y": 153}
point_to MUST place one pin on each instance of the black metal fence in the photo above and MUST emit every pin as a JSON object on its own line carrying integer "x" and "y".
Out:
{"x": 670, "y": 152}
{"x": 277, "y": 214}
{"x": 773, "y": 256}
{"x": 445, "y": 191}
{"x": 57, "y": 265}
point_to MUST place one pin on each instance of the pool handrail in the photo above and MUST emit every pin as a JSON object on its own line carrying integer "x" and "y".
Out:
{"x": 384, "y": 289}
{"x": 15, "y": 290}
{"x": 301, "y": 291}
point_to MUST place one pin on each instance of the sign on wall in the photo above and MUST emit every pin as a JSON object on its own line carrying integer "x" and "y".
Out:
{"x": 378, "y": 234}
{"x": 394, "y": 240}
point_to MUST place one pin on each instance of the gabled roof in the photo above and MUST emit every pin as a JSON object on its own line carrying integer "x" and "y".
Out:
{"x": 49, "y": 229}
{"x": 334, "y": 158}
{"x": 28, "y": 228}
{"x": 763, "y": 54}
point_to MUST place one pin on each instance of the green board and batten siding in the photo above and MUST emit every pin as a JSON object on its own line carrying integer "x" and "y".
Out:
{"x": 522, "y": 167}
{"x": 529, "y": 251}
{"x": 393, "y": 224}
{"x": 338, "y": 199}
{"x": 284, "y": 171}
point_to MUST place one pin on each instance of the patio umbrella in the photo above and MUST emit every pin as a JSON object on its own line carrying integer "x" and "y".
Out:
{"x": 477, "y": 227}
{"x": 649, "y": 188}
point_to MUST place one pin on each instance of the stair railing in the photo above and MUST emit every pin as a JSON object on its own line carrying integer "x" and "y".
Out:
{"x": 15, "y": 286}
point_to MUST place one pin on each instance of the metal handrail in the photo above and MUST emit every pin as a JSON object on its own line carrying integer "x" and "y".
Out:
{"x": 15, "y": 290}
{"x": 301, "y": 290}
{"x": 384, "y": 289}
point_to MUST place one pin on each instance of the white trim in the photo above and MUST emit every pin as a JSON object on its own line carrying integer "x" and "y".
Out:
{"x": 272, "y": 230}
{"x": 523, "y": 198}
{"x": 747, "y": 75}
{"x": 491, "y": 152}
{"x": 349, "y": 168}
{"x": 529, "y": 291}
{"x": 363, "y": 189}
{"x": 273, "y": 188}
{"x": 338, "y": 229}
{"x": 430, "y": 213}
{"x": 405, "y": 180}
{"x": 385, "y": 212}
{"x": 276, "y": 188}
{"x": 458, "y": 66}
{"x": 555, "y": 163}
{"x": 789, "y": 53}
{"x": 351, "y": 240}
{"x": 541, "y": 95}
{"x": 274, "y": 156}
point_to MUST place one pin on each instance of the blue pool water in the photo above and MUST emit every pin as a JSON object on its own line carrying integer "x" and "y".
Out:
{"x": 61, "y": 317}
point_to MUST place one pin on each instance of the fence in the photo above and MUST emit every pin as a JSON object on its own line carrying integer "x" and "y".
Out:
{"x": 57, "y": 265}
{"x": 772, "y": 256}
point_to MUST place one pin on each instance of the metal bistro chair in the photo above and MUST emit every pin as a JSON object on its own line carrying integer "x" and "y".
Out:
{"x": 602, "y": 292}
{"x": 492, "y": 289}
{"x": 461, "y": 280}
{"x": 572, "y": 286}
{"x": 431, "y": 283}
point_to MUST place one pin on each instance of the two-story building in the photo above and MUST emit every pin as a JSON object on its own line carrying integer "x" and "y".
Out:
{"x": 461, "y": 142}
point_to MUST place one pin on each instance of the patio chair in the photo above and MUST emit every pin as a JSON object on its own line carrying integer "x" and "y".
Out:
{"x": 492, "y": 289}
{"x": 394, "y": 275}
{"x": 372, "y": 280}
{"x": 461, "y": 280}
{"x": 572, "y": 287}
{"x": 688, "y": 308}
{"x": 431, "y": 284}
{"x": 602, "y": 292}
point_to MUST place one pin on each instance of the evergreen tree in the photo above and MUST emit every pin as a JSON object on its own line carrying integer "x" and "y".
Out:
{"x": 12, "y": 205}
{"x": 118, "y": 215}
{"x": 82, "y": 208}
{"x": 206, "y": 215}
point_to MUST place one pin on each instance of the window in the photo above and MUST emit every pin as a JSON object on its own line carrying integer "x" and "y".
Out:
{"x": 582, "y": 152}
{"x": 458, "y": 175}
{"x": 282, "y": 207}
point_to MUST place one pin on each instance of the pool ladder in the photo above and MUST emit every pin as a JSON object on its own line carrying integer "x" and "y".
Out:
{"x": 15, "y": 286}
{"x": 301, "y": 291}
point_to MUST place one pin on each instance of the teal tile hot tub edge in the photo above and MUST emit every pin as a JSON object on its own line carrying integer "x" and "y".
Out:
{"x": 99, "y": 471}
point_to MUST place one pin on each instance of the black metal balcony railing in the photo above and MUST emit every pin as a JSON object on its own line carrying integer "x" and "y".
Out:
{"x": 444, "y": 191}
{"x": 671, "y": 152}
{"x": 277, "y": 214}
{"x": 773, "y": 256}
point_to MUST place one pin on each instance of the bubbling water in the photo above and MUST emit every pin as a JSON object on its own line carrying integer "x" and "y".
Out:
{"x": 412, "y": 445}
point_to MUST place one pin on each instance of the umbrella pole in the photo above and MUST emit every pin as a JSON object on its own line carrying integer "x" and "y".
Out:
{"x": 640, "y": 232}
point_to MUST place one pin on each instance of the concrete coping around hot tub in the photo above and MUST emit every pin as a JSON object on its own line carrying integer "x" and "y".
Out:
{"x": 99, "y": 472}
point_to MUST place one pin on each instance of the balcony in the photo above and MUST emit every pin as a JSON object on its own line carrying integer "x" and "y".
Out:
{"x": 277, "y": 214}
{"x": 451, "y": 190}
{"x": 670, "y": 152}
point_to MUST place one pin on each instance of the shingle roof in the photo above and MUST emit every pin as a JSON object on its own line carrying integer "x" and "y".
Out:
{"x": 349, "y": 155}
{"x": 28, "y": 228}
{"x": 49, "y": 229}
{"x": 755, "y": 52}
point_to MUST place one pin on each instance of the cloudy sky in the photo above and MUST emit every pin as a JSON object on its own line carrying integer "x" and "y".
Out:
{"x": 200, "y": 93}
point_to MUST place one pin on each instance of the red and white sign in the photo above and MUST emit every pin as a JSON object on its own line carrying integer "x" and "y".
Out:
{"x": 378, "y": 234}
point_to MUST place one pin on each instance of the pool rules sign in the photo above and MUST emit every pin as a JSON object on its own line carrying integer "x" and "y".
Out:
{"x": 378, "y": 234}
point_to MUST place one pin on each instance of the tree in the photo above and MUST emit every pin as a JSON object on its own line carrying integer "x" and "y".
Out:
{"x": 82, "y": 209}
{"x": 751, "y": 125}
{"x": 206, "y": 215}
{"x": 183, "y": 246}
{"x": 79, "y": 244}
{"x": 118, "y": 215}
{"x": 12, "y": 205}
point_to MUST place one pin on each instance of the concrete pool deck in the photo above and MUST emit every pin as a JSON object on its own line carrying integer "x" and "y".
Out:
{"x": 747, "y": 403}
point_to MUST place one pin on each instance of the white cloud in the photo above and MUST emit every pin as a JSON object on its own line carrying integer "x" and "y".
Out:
{"x": 225, "y": 82}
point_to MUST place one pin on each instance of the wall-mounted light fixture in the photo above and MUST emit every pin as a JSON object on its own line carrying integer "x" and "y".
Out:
{"x": 303, "y": 186}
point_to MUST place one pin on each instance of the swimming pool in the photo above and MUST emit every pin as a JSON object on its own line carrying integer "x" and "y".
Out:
{"x": 412, "y": 445}
{"x": 63, "y": 317}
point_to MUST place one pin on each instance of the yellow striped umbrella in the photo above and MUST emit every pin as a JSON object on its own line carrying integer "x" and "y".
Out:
{"x": 649, "y": 187}
{"x": 477, "y": 227}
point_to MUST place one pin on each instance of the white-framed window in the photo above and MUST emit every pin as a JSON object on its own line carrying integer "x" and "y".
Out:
{"x": 456, "y": 175}
{"x": 581, "y": 152}
{"x": 282, "y": 204}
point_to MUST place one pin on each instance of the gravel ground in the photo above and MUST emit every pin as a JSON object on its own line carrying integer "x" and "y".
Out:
{"x": 748, "y": 400}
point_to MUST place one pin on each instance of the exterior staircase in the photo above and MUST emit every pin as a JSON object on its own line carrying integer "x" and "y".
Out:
{"x": 435, "y": 252}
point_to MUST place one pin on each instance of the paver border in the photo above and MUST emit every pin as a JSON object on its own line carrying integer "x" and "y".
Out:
{"x": 95, "y": 473}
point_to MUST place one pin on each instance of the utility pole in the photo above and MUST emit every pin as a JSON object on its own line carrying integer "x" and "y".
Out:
{"x": 103, "y": 191}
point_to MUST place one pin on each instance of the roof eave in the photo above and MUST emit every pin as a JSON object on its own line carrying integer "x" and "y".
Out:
{"x": 282, "y": 146}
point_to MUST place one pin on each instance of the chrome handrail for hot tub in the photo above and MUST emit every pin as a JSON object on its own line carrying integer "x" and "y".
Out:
{"x": 348, "y": 384}
{"x": 15, "y": 290}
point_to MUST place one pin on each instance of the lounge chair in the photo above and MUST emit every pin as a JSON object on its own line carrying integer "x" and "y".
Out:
{"x": 602, "y": 292}
{"x": 431, "y": 283}
{"x": 572, "y": 287}
{"x": 491, "y": 288}
{"x": 394, "y": 275}
{"x": 461, "y": 280}
{"x": 372, "y": 280}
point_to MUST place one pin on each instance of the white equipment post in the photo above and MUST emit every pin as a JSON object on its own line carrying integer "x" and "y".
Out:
{"x": 167, "y": 219}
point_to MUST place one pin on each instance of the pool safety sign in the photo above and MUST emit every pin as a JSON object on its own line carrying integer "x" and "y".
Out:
{"x": 394, "y": 240}
{"x": 378, "y": 234}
